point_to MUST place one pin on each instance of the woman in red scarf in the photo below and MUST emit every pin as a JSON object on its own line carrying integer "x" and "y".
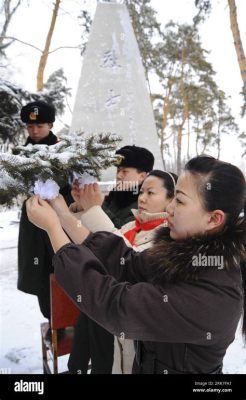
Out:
{"x": 156, "y": 192}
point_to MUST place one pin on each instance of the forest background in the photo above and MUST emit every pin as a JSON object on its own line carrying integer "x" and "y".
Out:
{"x": 193, "y": 55}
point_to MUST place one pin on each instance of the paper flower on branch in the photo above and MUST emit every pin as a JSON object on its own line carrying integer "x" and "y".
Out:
{"x": 84, "y": 179}
{"x": 73, "y": 154}
{"x": 47, "y": 190}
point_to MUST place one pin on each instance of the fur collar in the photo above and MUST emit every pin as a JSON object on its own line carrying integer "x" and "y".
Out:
{"x": 184, "y": 260}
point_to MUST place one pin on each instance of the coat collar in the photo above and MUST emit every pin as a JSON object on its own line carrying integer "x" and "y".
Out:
{"x": 49, "y": 140}
{"x": 145, "y": 216}
{"x": 185, "y": 260}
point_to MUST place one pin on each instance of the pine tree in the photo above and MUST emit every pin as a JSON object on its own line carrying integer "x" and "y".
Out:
{"x": 146, "y": 29}
{"x": 224, "y": 122}
{"x": 242, "y": 138}
{"x": 55, "y": 91}
{"x": 73, "y": 153}
{"x": 187, "y": 108}
{"x": 204, "y": 9}
{"x": 12, "y": 98}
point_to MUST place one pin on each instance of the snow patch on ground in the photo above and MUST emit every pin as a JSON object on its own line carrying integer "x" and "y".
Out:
{"x": 20, "y": 317}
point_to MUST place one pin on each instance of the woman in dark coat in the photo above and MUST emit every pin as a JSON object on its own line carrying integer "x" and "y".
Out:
{"x": 182, "y": 299}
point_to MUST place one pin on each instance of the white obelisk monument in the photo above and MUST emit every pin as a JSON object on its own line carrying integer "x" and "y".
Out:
{"x": 112, "y": 93}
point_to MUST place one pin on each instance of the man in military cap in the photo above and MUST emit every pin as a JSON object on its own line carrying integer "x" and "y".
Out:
{"x": 34, "y": 249}
{"x": 91, "y": 341}
{"x": 39, "y": 117}
{"x": 134, "y": 164}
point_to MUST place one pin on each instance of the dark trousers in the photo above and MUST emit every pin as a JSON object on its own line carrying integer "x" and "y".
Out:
{"x": 44, "y": 300}
{"x": 91, "y": 342}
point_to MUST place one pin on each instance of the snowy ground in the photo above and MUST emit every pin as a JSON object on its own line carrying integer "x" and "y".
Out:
{"x": 20, "y": 318}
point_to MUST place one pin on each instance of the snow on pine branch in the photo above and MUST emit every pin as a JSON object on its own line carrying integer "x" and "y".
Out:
{"x": 73, "y": 153}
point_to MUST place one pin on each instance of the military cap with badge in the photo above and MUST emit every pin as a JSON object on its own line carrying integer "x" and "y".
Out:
{"x": 135, "y": 157}
{"x": 38, "y": 112}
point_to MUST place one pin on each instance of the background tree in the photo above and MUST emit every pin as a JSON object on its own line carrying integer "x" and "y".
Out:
{"x": 205, "y": 7}
{"x": 12, "y": 98}
{"x": 238, "y": 47}
{"x": 45, "y": 53}
{"x": 224, "y": 122}
{"x": 242, "y": 138}
{"x": 182, "y": 68}
{"x": 55, "y": 91}
{"x": 192, "y": 108}
{"x": 7, "y": 10}
{"x": 147, "y": 30}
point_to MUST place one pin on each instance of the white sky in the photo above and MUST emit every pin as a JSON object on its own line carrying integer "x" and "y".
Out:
{"x": 32, "y": 20}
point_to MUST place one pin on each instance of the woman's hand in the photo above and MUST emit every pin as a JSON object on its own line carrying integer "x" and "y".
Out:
{"x": 60, "y": 206}
{"x": 90, "y": 196}
{"x": 41, "y": 214}
{"x": 76, "y": 194}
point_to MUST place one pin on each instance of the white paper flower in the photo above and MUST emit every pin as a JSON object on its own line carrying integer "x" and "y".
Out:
{"x": 84, "y": 179}
{"x": 47, "y": 190}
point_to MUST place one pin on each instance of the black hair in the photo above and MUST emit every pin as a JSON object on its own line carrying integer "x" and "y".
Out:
{"x": 222, "y": 186}
{"x": 169, "y": 180}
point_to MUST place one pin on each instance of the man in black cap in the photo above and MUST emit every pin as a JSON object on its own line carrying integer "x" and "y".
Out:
{"x": 91, "y": 341}
{"x": 134, "y": 164}
{"x": 39, "y": 117}
{"x": 34, "y": 249}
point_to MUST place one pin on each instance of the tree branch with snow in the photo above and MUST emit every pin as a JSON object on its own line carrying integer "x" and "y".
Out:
{"x": 73, "y": 154}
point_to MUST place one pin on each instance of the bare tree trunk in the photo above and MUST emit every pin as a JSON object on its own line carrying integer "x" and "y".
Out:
{"x": 174, "y": 149}
{"x": 197, "y": 144}
{"x": 162, "y": 152}
{"x": 8, "y": 14}
{"x": 166, "y": 109}
{"x": 188, "y": 144}
{"x": 44, "y": 57}
{"x": 237, "y": 41}
{"x": 185, "y": 115}
{"x": 204, "y": 148}
{"x": 218, "y": 142}
{"x": 197, "y": 136}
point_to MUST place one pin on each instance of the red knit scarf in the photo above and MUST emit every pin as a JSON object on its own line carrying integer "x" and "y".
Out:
{"x": 142, "y": 226}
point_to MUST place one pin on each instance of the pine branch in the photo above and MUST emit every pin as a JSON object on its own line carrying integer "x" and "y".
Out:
{"x": 74, "y": 153}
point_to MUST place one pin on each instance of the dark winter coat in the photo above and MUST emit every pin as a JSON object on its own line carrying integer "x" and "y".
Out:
{"x": 91, "y": 341}
{"x": 34, "y": 249}
{"x": 49, "y": 140}
{"x": 184, "y": 316}
{"x": 118, "y": 205}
